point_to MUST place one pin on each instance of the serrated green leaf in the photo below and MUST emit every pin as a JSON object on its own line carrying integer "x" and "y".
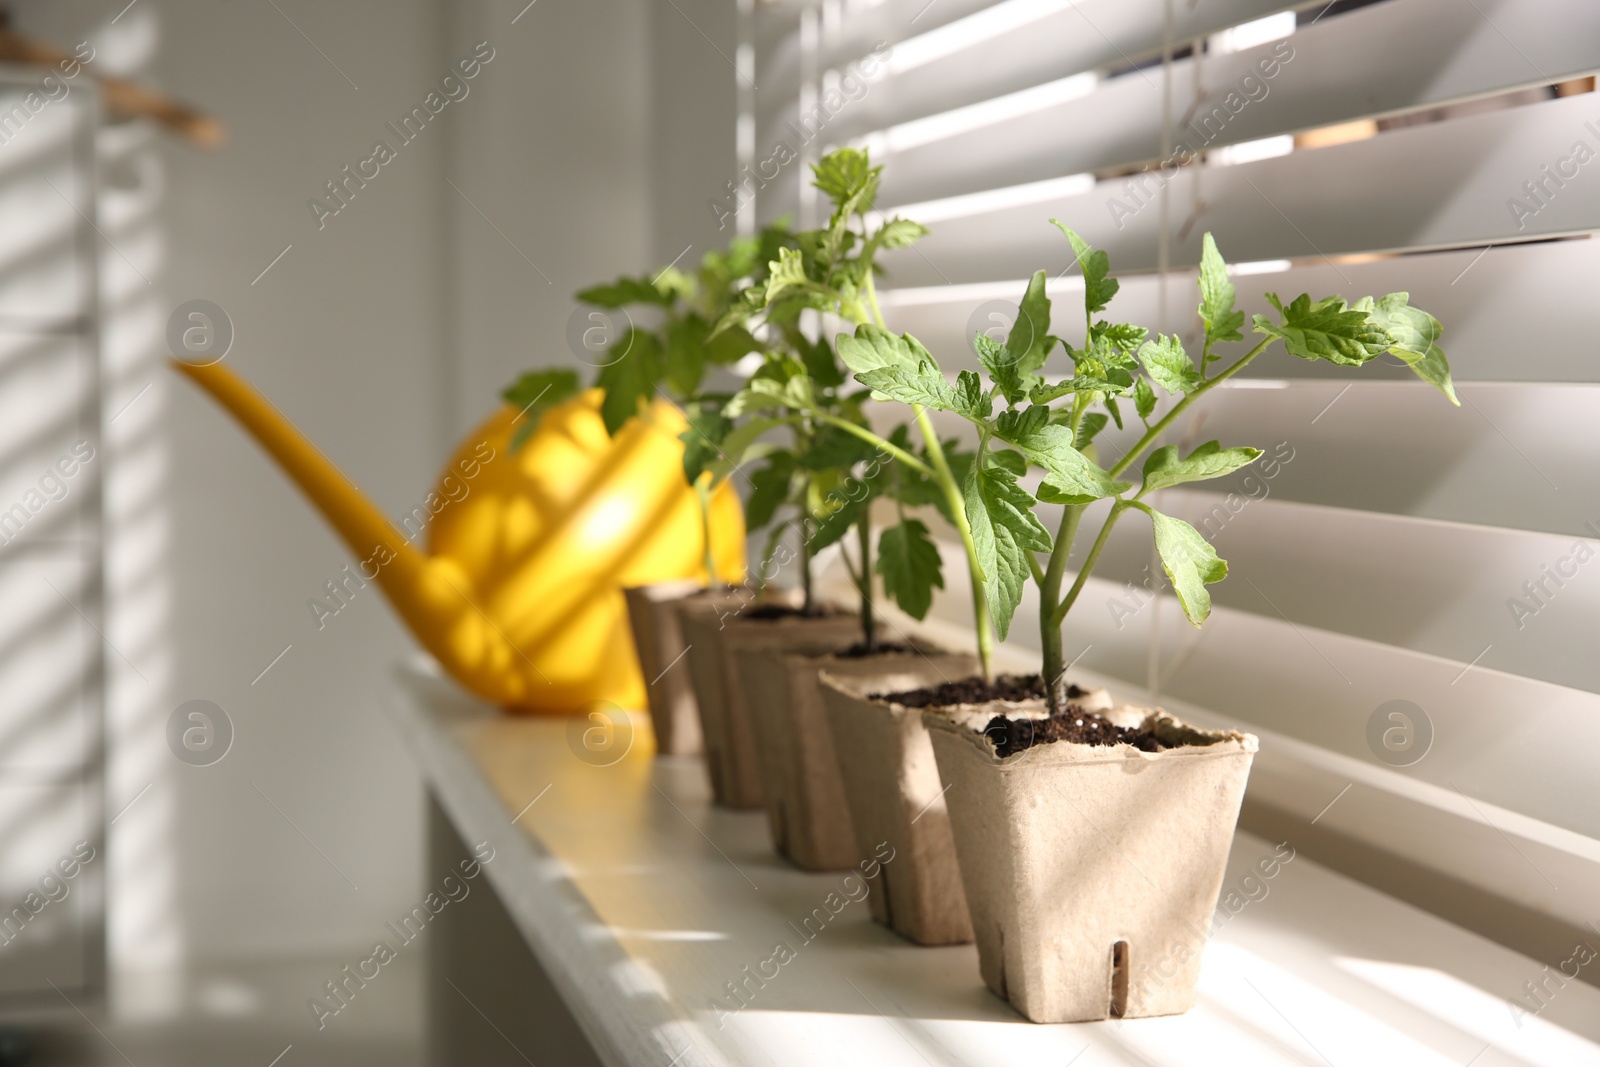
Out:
{"x": 1144, "y": 398}
{"x": 1071, "y": 477}
{"x": 1169, "y": 365}
{"x": 911, "y": 385}
{"x": 1216, "y": 298}
{"x": 626, "y": 291}
{"x": 1414, "y": 338}
{"x": 1098, "y": 288}
{"x": 908, "y": 561}
{"x": 972, "y": 399}
{"x": 1014, "y": 367}
{"x": 844, "y": 174}
{"x": 1004, "y": 531}
{"x": 786, "y": 272}
{"x": 1190, "y": 562}
{"x": 1328, "y": 330}
{"x": 1163, "y": 469}
{"x": 873, "y": 347}
{"x": 630, "y": 379}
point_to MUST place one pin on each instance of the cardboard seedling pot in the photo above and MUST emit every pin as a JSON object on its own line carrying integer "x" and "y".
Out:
{"x": 802, "y": 787}
{"x": 894, "y": 793}
{"x": 715, "y": 635}
{"x": 658, "y": 639}
{"x": 1091, "y": 872}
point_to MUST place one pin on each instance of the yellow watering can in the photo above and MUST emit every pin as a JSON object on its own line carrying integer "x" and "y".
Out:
{"x": 519, "y": 595}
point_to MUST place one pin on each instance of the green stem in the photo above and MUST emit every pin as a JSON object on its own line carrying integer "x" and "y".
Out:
{"x": 869, "y": 623}
{"x": 872, "y": 298}
{"x": 702, "y": 492}
{"x": 958, "y": 508}
{"x": 1054, "y": 665}
{"x": 877, "y": 442}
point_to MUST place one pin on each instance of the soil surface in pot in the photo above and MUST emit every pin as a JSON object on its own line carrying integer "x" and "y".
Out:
{"x": 859, "y": 650}
{"x": 771, "y": 612}
{"x": 1013, "y": 687}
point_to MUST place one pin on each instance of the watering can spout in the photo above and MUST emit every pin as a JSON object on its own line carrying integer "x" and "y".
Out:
{"x": 519, "y": 595}
{"x": 366, "y": 531}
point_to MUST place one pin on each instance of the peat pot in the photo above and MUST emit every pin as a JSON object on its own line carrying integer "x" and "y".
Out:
{"x": 715, "y": 633}
{"x": 1091, "y": 871}
{"x": 795, "y": 743}
{"x": 892, "y": 787}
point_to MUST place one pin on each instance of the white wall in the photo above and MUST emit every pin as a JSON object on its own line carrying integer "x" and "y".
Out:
{"x": 384, "y": 335}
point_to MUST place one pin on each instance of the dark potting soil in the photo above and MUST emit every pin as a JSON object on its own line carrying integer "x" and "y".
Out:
{"x": 859, "y": 650}
{"x": 1010, "y": 736}
{"x": 1013, "y": 687}
{"x": 771, "y": 612}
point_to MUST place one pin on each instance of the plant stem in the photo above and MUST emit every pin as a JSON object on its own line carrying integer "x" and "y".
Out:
{"x": 958, "y": 508}
{"x": 873, "y": 439}
{"x": 807, "y": 605}
{"x": 869, "y": 622}
{"x": 1050, "y": 643}
{"x": 702, "y": 492}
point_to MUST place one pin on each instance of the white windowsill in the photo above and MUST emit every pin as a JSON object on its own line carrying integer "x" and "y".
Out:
{"x": 641, "y": 900}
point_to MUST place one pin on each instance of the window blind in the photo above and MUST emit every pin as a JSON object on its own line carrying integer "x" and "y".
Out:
{"x": 1396, "y": 548}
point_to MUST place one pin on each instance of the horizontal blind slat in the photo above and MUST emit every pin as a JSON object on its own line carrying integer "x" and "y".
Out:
{"x": 1341, "y": 200}
{"x": 1392, "y": 57}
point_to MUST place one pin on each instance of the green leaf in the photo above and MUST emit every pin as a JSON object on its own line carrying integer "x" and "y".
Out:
{"x": 702, "y": 441}
{"x": 844, "y": 175}
{"x": 1413, "y": 337}
{"x": 1004, "y": 531}
{"x": 786, "y": 272}
{"x": 1163, "y": 468}
{"x": 1216, "y": 298}
{"x": 1190, "y": 562}
{"x": 911, "y": 385}
{"x": 630, "y": 379}
{"x": 1072, "y": 477}
{"x": 909, "y": 562}
{"x": 1328, "y": 329}
{"x": 821, "y": 366}
{"x": 1169, "y": 365}
{"x": 1091, "y": 425}
{"x": 729, "y": 346}
{"x": 972, "y": 399}
{"x": 626, "y": 291}
{"x": 1013, "y": 367}
{"x": 725, "y": 454}
{"x": 686, "y": 354}
{"x": 1144, "y": 398}
{"x": 1015, "y": 462}
{"x": 770, "y": 487}
{"x": 873, "y": 347}
{"x": 537, "y": 390}
{"x": 1098, "y": 288}
{"x": 901, "y": 233}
